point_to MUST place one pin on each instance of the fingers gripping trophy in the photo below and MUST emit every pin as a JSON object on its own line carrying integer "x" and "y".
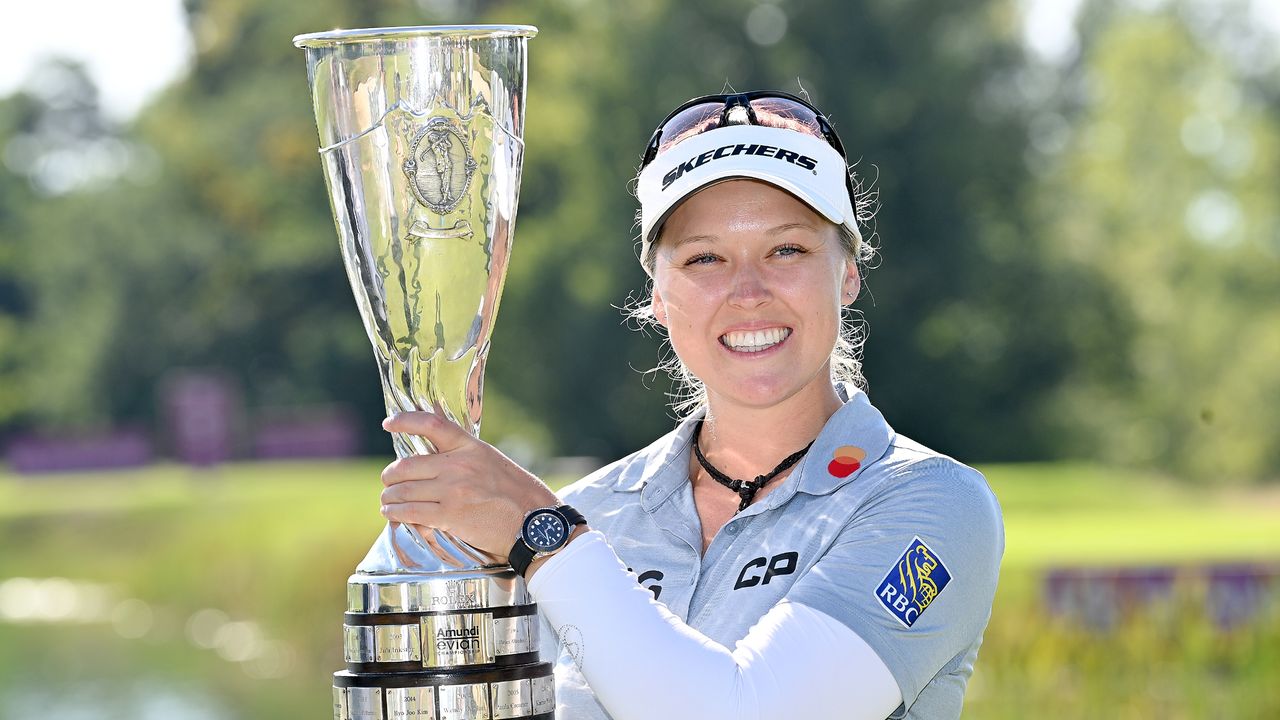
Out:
{"x": 420, "y": 136}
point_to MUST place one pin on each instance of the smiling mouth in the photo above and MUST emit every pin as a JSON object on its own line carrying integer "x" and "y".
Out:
{"x": 753, "y": 341}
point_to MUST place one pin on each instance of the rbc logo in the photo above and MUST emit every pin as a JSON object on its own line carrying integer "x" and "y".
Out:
{"x": 913, "y": 583}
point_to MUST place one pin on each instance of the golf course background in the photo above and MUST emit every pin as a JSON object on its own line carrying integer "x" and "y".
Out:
{"x": 1076, "y": 289}
{"x": 219, "y": 594}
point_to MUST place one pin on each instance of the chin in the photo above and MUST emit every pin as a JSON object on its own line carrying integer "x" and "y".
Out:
{"x": 756, "y": 392}
{"x": 767, "y": 389}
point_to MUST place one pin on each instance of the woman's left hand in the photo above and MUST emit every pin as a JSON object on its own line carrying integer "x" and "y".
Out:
{"x": 468, "y": 488}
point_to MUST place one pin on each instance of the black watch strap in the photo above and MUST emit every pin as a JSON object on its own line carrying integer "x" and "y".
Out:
{"x": 574, "y": 517}
{"x": 522, "y": 555}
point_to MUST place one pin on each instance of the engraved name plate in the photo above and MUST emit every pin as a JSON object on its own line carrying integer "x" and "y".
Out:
{"x": 515, "y": 635}
{"x": 511, "y": 699}
{"x": 358, "y": 642}
{"x": 464, "y": 702}
{"x": 544, "y": 694}
{"x": 415, "y": 703}
{"x": 398, "y": 643}
{"x": 365, "y": 703}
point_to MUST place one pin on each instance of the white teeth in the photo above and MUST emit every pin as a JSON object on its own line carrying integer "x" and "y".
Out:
{"x": 754, "y": 340}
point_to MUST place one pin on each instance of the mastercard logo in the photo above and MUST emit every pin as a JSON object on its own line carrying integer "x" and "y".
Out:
{"x": 848, "y": 459}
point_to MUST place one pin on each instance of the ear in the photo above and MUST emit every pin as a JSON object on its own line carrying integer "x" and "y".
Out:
{"x": 659, "y": 308}
{"x": 851, "y": 285}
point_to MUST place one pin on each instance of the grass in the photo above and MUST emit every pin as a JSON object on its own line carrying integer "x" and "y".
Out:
{"x": 1062, "y": 514}
{"x": 273, "y": 542}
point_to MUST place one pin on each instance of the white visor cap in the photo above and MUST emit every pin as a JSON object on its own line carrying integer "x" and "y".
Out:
{"x": 803, "y": 165}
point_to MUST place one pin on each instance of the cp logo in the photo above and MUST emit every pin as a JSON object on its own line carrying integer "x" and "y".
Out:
{"x": 783, "y": 564}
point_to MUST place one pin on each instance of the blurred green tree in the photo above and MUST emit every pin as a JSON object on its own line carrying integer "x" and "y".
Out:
{"x": 1164, "y": 196}
{"x": 1073, "y": 261}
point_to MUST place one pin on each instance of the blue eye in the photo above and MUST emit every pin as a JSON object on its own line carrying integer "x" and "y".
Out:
{"x": 703, "y": 259}
{"x": 787, "y": 250}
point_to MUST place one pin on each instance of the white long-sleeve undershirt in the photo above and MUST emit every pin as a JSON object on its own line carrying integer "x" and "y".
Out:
{"x": 642, "y": 661}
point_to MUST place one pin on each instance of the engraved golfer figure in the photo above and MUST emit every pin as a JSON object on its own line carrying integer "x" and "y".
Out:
{"x": 438, "y": 146}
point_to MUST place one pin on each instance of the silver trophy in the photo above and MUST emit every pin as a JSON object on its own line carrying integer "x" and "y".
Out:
{"x": 420, "y": 134}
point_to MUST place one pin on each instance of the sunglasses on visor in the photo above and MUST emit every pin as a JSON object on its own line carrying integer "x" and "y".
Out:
{"x": 713, "y": 111}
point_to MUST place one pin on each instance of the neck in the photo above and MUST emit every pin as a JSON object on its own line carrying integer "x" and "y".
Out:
{"x": 744, "y": 442}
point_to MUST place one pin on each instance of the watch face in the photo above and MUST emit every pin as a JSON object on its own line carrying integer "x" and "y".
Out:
{"x": 545, "y": 531}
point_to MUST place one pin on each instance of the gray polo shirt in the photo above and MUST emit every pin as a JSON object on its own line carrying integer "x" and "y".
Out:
{"x": 896, "y": 541}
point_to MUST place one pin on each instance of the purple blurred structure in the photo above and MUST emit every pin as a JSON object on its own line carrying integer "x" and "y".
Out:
{"x": 1236, "y": 593}
{"x": 201, "y": 410}
{"x": 202, "y": 418}
{"x": 309, "y": 432}
{"x": 30, "y": 454}
{"x": 1101, "y": 598}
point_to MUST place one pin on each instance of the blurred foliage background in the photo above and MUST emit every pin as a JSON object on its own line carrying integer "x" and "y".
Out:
{"x": 1078, "y": 258}
{"x": 1079, "y": 265}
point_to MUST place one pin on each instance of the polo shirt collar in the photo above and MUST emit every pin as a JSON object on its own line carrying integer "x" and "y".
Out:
{"x": 665, "y": 464}
{"x": 856, "y": 428}
{"x": 853, "y": 439}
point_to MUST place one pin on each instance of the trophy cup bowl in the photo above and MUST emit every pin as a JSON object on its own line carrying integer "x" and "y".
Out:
{"x": 421, "y": 140}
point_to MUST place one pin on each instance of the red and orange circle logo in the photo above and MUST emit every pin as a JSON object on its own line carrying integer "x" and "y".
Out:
{"x": 848, "y": 459}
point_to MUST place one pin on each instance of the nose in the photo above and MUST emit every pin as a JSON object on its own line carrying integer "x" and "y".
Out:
{"x": 749, "y": 288}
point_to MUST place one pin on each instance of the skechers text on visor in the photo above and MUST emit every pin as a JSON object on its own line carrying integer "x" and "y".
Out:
{"x": 803, "y": 165}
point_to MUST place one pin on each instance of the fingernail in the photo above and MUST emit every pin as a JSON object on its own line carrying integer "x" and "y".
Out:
{"x": 387, "y": 421}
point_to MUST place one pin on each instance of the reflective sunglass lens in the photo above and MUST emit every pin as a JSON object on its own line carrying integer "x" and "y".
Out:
{"x": 689, "y": 122}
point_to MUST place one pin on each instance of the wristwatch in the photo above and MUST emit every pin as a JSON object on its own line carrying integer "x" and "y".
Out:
{"x": 544, "y": 532}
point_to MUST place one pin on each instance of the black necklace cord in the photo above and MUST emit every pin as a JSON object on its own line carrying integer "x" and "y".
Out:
{"x": 746, "y": 489}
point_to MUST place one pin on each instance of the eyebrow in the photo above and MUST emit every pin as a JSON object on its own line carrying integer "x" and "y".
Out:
{"x": 777, "y": 230}
{"x": 693, "y": 238}
{"x": 791, "y": 226}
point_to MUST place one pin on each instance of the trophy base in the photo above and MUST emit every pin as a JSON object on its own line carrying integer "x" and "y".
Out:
{"x": 524, "y": 692}
{"x": 451, "y": 645}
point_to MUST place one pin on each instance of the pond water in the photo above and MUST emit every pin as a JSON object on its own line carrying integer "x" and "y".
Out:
{"x": 151, "y": 665}
{"x": 84, "y": 699}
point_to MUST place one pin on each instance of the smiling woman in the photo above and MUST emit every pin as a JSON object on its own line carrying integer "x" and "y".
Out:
{"x": 749, "y": 283}
{"x": 851, "y": 575}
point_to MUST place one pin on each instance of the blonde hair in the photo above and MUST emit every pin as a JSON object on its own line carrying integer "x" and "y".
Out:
{"x": 689, "y": 393}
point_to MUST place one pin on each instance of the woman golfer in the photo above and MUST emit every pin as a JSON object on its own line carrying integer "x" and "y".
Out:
{"x": 782, "y": 553}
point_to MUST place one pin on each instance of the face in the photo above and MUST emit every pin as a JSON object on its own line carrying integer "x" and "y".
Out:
{"x": 749, "y": 282}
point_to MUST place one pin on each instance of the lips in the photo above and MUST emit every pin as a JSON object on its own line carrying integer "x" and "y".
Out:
{"x": 751, "y": 341}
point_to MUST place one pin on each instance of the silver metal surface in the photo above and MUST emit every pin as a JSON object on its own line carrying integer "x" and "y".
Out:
{"x": 510, "y": 699}
{"x": 544, "y": 694}
{"x": 515, "y": 635}
{"x": 365, "y": 703}
{"x": 358, "y": 643}
{"x": 417, "y": 592}
{"x": 341, "y": 710}
{"x": 398, "y": 643}
{"x": 465, "y": 702}
{"x": 421, "y": 140}
{"x": 417, "y": 703}
{"x": 321, "y": 39}
{"x": 501, "y": 700}
{"x": 457, "y": 639}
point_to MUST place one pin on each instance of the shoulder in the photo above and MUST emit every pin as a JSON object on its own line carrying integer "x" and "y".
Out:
{"x": 620, "y": 476}
{"x": 921, "y": 486}
{"x": 600, "y": 481}
{"x": 910, "y": 466}
{"x": 913, "y": 569}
